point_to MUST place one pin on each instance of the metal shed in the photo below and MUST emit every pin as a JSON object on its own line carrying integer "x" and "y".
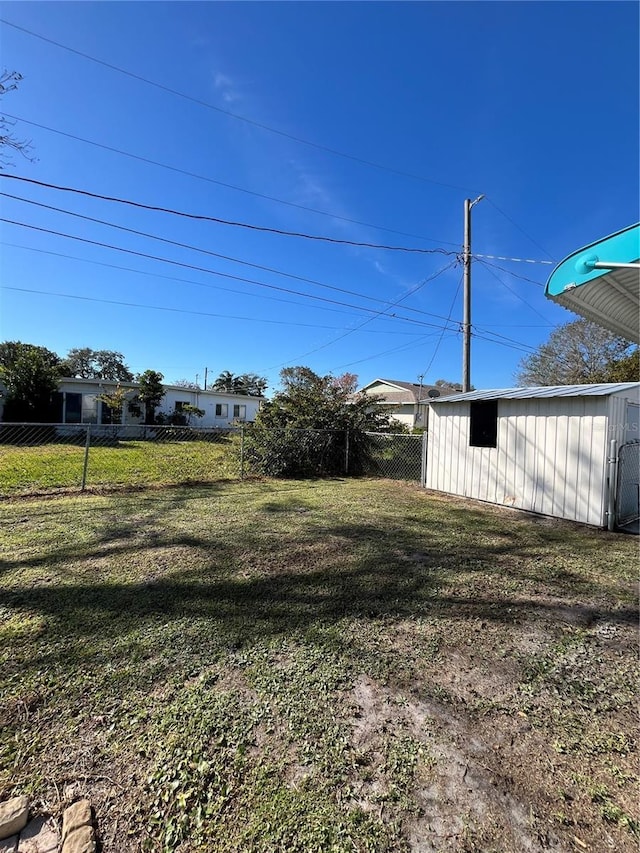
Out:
{"x": 544, "y": 449}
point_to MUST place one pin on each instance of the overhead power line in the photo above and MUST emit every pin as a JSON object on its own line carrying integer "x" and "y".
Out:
{"x": 230, "y": 258}
{"x": 186, "y": 281}
{"x": 521, "y": 230}
{"x": 211, "y": 272}
{"x": 369, "y": 319}
{"x": 202, "y": 217}
{"x": 168, "y": 89}
{"x": 209, "y": 180}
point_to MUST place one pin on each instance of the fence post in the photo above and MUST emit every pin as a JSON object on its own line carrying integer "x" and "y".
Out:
{"x": 613, "y": 484}
{"x": 346, "y": 452}
{"x": 86, "y": 458}
{"x": 423, "y": 461}
{"x": 242, "y": 452}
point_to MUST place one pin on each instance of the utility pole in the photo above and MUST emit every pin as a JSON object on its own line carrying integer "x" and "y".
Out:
{"x": 420, "y": 377}
{"x": 206, "y": 370}
{"x": 466, "y": 311}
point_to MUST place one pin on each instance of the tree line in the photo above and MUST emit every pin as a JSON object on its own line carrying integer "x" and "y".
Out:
{"x": 31, "y": 375}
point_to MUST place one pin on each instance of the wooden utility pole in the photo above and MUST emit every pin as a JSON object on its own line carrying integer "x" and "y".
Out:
{"x": 466, "y": 311}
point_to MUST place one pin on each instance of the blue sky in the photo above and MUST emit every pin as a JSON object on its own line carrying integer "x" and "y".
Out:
{"x": 534, "y": 105}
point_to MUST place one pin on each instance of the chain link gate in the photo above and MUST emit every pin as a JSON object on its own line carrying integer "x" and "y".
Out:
{"x": 396, "y": 456}
{"x": 628, "y": 486}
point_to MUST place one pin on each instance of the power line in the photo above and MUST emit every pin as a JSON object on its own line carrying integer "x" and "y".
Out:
{"x": 521, "y": 230}
{"x": 185, "y": 281}
{"x": 247, "y": 120}
{"x": 406, "y": 346}
{"x": 226, "y": 185}
{"x": 163, "y": 308}
{"x": 510, "y": 272}
{"x": 209, "y": 252}
{"x": 211, "y": 272}
{"x": 369, "y": 319}
{"x": 219, "y": 221}
{"x": 516, "y": 294}
{"x": 439, "y": 341}
{"x": 503, "y": 258}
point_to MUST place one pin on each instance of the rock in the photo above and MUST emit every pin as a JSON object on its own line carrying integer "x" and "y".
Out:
{"x": 9, "y": 845}
{"x": 81, "y": 840}
{"x": 13, "y": 816}
{"x": 77, "y": 829}
{"x": 40, "y": 835}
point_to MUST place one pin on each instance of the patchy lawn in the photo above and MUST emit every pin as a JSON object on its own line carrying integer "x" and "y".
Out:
{"x": 328, "y": 666}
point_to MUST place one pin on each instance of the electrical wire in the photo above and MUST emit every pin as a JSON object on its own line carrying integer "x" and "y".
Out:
{"x": 369, "y": 319}
{"x": 185, "y": 281}
{"x": 217, "y": 220}
{"x": 210, "y": 272}
{"x": 247, "y": 120}
{"x": 166, "y": 240}
{"x": 228, "y": 186}
{"x": 517, "y": 295}
{"x": 435, "y": 352}
{"x": 510, "y": 272}
{"x": 521, "y": 230}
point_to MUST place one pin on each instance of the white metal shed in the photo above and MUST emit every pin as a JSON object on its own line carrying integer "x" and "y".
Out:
{"x": 542, "y": 449}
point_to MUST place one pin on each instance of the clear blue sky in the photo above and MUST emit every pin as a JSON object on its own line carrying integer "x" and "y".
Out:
{"x": 533, "y": 104}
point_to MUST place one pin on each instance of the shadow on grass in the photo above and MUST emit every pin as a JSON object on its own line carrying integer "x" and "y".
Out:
{"x": 251, "y": 582}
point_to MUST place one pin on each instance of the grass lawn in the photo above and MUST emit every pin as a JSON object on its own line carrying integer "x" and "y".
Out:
{"x": 335, "y": 665}
{"x": 137, "y": 463}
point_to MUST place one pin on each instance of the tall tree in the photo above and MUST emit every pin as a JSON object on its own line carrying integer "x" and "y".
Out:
{"x": 151, "y": 393}
{"x": 576, "y": 353}
{"x": 9, "y": 81}
{"x": 246, "y": 383}
{"x": 30, "y": 375}
{"x": 86, "y": 363}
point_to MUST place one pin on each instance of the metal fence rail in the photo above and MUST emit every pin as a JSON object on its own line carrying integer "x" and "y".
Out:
{"x": 36, "y": 458}
{"x": 628, "y": 487}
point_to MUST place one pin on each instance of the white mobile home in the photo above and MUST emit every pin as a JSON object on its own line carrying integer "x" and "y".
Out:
{"x": 543, "y": 449}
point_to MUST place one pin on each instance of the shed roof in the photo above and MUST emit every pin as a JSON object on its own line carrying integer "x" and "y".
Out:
{"x": 603, "y": 389}
{"x": 608, "y": 297}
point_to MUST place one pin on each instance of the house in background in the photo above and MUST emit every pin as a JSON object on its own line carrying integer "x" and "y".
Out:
{"x": 547, "y": 450}
{"x": 408, "y": 402}
{"x": 77, "y": 402}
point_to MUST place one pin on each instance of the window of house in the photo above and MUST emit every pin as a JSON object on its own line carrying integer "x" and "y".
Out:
{"x": 484, "y": 423}
{"x": 221, "y": 410}
{"x": 240, "y": 412}
{"x": 73, "y": 408}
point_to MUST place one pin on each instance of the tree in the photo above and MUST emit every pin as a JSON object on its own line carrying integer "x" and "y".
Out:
{"x": 627, "y": 369}
{"x": 9, "y": 81}
{"x": 576, "y": 353}
{"x": 246, "y": 383}
{"x": 302, "y": 430}
{"x": 151, "y": 393}
{"x": 444, "y": 383}
{"x": 115, "y": 399}
{"x": 30, "y": 375}
{"x": 86, "y": 363}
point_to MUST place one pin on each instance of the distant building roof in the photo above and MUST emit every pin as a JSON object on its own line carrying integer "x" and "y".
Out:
{"x": 408, "y": 392}
{"x": 599, "y": 390}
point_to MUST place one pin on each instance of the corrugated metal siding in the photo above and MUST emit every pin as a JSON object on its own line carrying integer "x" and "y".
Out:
{"x": 550, "y": 456}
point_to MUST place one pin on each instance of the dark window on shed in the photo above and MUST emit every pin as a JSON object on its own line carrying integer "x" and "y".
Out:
{"x": 484, "y": 423}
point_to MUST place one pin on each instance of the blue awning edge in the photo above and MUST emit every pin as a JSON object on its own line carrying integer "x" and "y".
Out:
{"x": 608, "y": 297}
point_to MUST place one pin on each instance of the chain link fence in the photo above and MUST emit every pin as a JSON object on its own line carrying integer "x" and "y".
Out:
{"x": 39, "y": 458}
{"x": 628, "y": 489}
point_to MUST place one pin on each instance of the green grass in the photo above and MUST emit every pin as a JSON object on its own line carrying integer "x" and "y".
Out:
{"x": 318, "y": 666}
{"x": 29, "y": 470}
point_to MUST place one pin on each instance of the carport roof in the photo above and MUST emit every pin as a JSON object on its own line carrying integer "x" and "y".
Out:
{"x": 602, "y": 283}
